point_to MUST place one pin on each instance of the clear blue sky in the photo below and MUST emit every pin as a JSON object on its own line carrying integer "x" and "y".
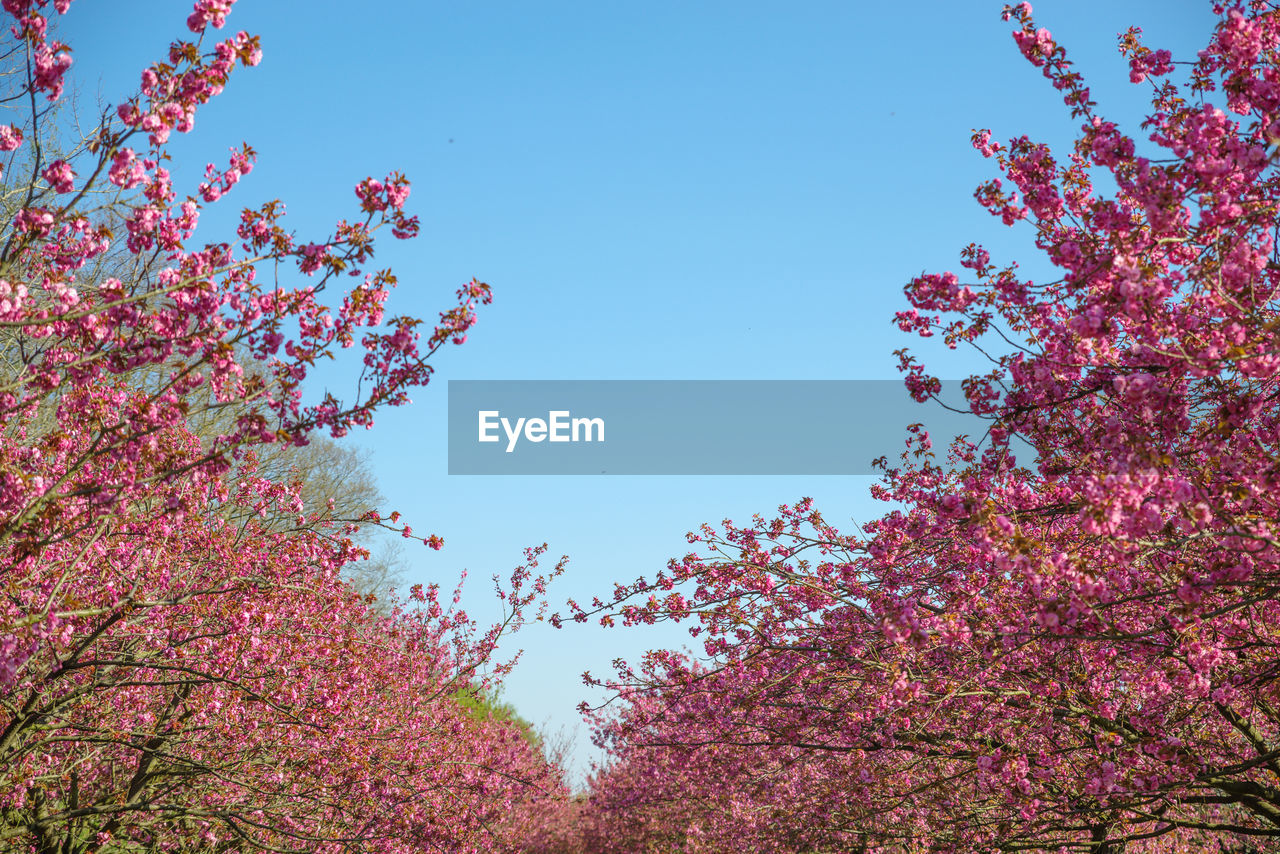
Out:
{"x": 655, "y": 190}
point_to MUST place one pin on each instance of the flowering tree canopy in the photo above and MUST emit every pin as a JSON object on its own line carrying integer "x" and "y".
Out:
{"x": 180, "y": 668}
{"x": 1072, "y": 652}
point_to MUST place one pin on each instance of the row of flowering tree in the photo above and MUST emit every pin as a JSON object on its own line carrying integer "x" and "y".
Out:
{"x": 175, "y": 672}
{"x": 1076, "y": 652}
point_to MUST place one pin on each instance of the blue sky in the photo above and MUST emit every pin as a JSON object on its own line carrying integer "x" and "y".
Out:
{"x": 655, "y": 191}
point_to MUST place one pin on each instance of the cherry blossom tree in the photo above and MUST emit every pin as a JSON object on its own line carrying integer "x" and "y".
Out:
{"x": 219, "y": 684}
{"x": 1073, "y": 652}
{"x": 181, "y": 666}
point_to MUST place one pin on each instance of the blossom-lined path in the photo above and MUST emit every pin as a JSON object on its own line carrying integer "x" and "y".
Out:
{"x": 1071, "y": 653}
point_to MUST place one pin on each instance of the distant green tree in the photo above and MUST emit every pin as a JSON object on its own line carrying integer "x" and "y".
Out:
{"x": 488, "y": 705}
